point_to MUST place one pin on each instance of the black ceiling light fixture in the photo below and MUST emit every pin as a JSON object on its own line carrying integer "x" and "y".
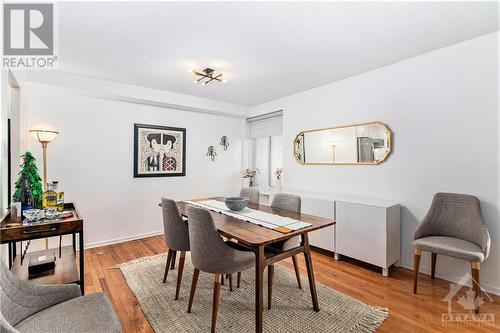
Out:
{"x": 206, "y": 76}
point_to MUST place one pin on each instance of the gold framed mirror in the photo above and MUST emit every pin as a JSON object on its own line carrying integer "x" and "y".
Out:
{"x": 363, "y": 144}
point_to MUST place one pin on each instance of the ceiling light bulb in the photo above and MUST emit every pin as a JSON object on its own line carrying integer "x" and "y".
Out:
{"x": 204, "y": 83}
{"x": 195, "y": 81}
{"x": 190, "y": 70}
{"x": 224, "y": 81}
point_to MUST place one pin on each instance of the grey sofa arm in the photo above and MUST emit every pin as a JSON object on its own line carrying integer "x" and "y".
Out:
{"x": 19, "y": 299}
{"x": 5, "y": 327}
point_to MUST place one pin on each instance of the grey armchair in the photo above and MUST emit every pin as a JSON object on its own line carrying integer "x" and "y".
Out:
{"x": 251, "y": 193}
{"x": 453, "y": 227}
{"x": 176, "y": 238}
{"x": 28, "y": 307}
{"x": 292, "y": 203}
{"x": 210, "y": 254}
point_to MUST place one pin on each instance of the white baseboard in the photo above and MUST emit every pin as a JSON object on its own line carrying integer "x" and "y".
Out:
{"x": 426, "y": 270}
{"x": 123, "y": 239}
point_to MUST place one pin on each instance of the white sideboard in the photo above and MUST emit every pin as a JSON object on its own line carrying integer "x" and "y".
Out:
{"x": 370, "y": 233}
{"x": 366, "y": 229}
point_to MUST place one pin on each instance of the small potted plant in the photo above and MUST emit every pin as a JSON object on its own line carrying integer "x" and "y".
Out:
{"x": 250, "y": 174}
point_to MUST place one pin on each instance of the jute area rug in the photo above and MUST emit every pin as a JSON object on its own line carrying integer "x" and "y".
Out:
{"x": 292, "y": 308}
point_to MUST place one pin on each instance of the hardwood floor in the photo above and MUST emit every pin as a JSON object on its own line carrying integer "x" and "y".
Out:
{"x": 407, "y": 312}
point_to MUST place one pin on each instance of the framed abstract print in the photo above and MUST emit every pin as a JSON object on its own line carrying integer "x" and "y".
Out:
{"x": 159, "y": 151}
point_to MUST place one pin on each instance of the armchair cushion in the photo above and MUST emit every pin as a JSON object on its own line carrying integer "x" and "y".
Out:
{"x": 450, "y": 246}
{"x": 88, "y": 314}
{"x": 19, "y": 299}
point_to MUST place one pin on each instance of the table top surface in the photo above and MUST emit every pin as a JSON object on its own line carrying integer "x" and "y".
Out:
{"x": 254, "y": 235}
{"x": 8, "y": 223}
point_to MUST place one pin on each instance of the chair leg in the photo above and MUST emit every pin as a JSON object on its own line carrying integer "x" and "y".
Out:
{"x": 182, "y": 259}
{"x": 433, "y": 264}
{"x": 475, "y": 283}
{"x": 230, "y": 282}
{"x": 238, "y": 280}
{"x": 174, "y": 256}
{"x": 270, "y": 277}
{"x": 215, "y": 305}
{"x": 416, "y": 266}
{"x": 297, "y": 272}
{"x": 196, "y": 273}
{"x": 167, "y": 265}
{"x": 222, "y": 279}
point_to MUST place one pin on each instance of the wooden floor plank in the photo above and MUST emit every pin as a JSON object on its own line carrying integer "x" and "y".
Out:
{"x": 407, "y": 312}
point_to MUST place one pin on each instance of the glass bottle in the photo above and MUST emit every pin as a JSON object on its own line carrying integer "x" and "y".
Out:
{"x": 60, "y": 196}
{"x": 25, "y": 196}
{"x": 49, "y": 198}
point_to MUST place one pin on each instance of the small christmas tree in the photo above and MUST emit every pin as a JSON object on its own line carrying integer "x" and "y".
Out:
{"x": 29, "y": 166}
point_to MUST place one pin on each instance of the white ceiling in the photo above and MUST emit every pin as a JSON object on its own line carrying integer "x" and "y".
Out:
{"x": 266, "y": 50}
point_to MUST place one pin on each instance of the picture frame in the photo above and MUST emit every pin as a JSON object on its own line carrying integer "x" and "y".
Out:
{"x": 159, "y": 151}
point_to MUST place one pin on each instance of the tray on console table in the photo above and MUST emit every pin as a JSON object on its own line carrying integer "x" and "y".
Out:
{"x": 12, "y": 231}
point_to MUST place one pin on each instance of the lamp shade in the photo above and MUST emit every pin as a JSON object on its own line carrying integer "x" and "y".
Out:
{"x": 43, "y": 133}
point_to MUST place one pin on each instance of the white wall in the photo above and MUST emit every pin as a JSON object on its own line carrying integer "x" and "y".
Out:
{"x": 92, "y": 158}
{"x": 443, "y": 110}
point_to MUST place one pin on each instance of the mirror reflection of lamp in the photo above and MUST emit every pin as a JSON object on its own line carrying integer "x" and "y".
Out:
{"x": 333, "y": 144}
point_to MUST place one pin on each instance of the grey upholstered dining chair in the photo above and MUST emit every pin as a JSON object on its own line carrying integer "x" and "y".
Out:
{"x": 210, "y": 254}
{"x": 251, "y": 193}
{"x": 453, "y": 227}
{"x": 176, "y": 238}
{"x": 292, "y": 203}
{"x": 29, "y": 307}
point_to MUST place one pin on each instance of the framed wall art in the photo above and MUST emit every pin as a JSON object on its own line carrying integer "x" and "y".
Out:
{"x": 159, "y": 151}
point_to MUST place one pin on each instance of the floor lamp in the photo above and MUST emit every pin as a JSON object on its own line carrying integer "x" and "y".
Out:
{"x": 44, "y": 134}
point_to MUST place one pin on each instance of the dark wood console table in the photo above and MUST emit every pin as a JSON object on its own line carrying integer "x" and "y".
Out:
{"x": 66, "y": 270}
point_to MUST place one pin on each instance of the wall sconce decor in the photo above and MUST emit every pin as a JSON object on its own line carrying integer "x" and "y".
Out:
{"x": 224, "y": 142}
{"x": 211, "y": 153}
{"x": 206, "y": 76}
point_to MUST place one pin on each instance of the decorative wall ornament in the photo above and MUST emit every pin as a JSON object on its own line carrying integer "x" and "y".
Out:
{"x": 211, "y": 153}
{"x": 224, "y": 142}
{"x": 159, "y": 151}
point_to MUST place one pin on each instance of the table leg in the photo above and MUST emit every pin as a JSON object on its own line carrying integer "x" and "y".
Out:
{"x": 310, "y": 272}
{"x": 81, "y": 250}
{"x": 259, "y": 285}
{"x": 10, "y": 254}
{"x": 14, "y": 250}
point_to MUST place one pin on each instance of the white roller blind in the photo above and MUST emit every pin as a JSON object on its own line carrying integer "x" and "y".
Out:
{"x": 270, "y": 124}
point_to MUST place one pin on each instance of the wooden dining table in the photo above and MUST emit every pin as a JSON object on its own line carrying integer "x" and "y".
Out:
{"x": 257, "y": 237}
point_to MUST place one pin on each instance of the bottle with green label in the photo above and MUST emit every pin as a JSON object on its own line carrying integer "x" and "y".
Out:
{"x": 60, "y": 196}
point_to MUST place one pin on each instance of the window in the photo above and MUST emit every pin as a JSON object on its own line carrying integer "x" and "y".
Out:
{"x": 265, "y": 147}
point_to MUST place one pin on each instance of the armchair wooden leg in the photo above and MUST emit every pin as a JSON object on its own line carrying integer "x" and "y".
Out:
{"x": 215, "y": 305}
{"x": 167, "y": 265}
{"x": 182, "y": 259}
{"x": 230, "y": 282}
{"x": 475, "y": 283}
{"x": 238, "y": 280}
{"x": 270, "y": 277}
{"x": 196, "y": 273}
{"x": 416, "y": 266}
{"x": 297, "y": 272}
{"x": 174, "y": 256}
{"x": 433, "y": 264}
